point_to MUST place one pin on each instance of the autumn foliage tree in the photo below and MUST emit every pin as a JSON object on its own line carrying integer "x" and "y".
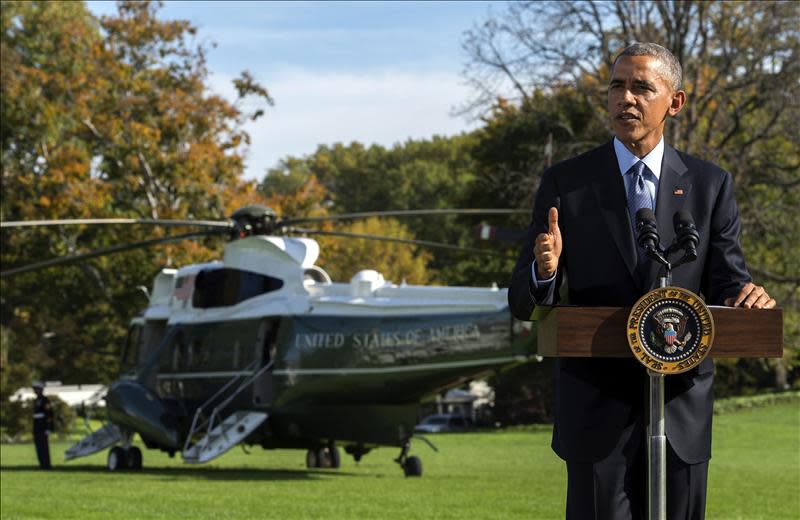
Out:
{"x": 398, "y": 263}
{"x": 104, "y": 118}
{"x": 417, "y": 174}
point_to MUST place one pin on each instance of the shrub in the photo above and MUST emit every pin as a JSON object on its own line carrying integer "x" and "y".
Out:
{"x": 17, "y": 419}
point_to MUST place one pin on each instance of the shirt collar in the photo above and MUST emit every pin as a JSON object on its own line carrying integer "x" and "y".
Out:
{"x": 625, "y": 159}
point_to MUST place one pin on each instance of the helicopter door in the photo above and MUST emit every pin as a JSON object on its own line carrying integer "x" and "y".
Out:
{"x": 264, "y": 352}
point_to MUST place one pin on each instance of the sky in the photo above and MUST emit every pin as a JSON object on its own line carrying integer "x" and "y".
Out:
{"x": 373, "y": 72}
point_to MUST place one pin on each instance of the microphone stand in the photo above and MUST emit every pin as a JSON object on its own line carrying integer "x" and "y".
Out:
{"x": 657, "y": 437}
{"x": 656, "y": 433}
{"x": 686, "y": 239}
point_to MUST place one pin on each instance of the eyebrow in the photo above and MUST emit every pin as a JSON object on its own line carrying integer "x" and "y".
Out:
{"x": 636, "y": 83}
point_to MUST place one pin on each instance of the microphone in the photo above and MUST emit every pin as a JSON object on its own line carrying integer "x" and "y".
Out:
{"x": 686, "y": 234}
{"x": 647, "y": 230}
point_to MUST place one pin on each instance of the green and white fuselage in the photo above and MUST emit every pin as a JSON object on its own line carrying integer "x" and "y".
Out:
{"x": 266, "y": 335}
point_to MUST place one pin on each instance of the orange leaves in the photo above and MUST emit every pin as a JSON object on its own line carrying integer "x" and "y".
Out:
{"x": 143, "y": 136}
{"x": 343, "y": 257}
{"x": 306, "y": 200}
{"x": 241, "y": 194}
{"x": 118, "y": 123}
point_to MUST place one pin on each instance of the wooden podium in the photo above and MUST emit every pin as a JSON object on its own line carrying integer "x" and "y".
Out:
{"x": 600, "y": 332}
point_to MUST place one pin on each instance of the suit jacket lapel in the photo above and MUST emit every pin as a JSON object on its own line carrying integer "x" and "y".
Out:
{"x": 609, "y": 190}
{"x": 673, "y": 190}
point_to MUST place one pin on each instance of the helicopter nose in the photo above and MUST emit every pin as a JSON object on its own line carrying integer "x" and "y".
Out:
{"x": 131, "y": 406}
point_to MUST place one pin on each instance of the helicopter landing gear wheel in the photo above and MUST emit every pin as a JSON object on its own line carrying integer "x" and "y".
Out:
{"x": 412, "y": 467}
{"x": 312, "y": 461}
{"x": 323, "y": 458}
{"x": 133, "y": 458}
{"x": 334, "y": 457}
{"x": 116, "y": 459}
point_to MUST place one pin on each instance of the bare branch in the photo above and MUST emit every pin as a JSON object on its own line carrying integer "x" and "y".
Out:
{"x": 774, "y": 277}
{"x": 149, "y": 185}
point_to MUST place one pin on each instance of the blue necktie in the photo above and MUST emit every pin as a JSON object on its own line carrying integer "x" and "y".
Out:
{"x": 638, "y": 195}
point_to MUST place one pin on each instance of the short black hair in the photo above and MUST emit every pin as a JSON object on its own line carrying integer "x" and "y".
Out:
{"x": 670, "y": 65}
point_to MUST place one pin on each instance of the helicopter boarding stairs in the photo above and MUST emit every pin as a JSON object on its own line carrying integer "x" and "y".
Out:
{"x": 221, "y": 436}
{"x": 99, "y": 439}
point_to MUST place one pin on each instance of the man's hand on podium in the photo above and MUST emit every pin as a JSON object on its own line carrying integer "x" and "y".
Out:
{"x": 548, "y": 248}
{"x": 751, "y": 296}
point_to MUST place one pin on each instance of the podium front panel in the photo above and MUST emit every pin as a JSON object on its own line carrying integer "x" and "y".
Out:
{"x": 600, "y": 332}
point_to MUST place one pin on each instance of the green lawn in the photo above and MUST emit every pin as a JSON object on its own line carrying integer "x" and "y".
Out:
{"x": 755, "y": 473}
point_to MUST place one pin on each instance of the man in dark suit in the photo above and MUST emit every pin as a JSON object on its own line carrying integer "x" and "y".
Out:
{"x": 582, "y": 233}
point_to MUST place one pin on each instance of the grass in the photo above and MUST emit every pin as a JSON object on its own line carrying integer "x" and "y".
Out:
{"x": 755, "y": 473}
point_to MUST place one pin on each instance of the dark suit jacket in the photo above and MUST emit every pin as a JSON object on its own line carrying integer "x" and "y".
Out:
{"x": 599, "y": 400}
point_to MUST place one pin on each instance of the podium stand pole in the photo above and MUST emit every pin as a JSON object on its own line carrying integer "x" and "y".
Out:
{"x": 657, "y": 450}
{"x": 657, "y": 438}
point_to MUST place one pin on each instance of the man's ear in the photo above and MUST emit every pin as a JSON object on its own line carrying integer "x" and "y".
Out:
{"x": 678, "y": 100}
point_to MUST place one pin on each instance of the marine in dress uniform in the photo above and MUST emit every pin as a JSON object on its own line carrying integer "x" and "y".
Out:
{"x": 42, "y": 424}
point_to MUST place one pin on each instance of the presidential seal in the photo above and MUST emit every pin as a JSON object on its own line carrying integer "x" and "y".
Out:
{"x": 670, "y": 330}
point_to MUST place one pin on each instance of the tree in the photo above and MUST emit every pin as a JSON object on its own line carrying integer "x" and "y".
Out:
{"x": 509, "y": 156}
{"x": 412, "y": 175}
{"x": 509, "y": 150}
{"x": 296, "y": 193}
{"x": 103, "y": 118}
{"x": 344, "y": 257}
{"x": 741, "y": 71}
{"x": 424, "y": 174}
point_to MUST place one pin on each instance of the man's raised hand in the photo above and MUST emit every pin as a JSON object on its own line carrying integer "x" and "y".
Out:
{"x": 548, "y": 247}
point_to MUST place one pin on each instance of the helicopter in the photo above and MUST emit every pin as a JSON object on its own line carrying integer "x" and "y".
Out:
{"x": 263, "y": 348}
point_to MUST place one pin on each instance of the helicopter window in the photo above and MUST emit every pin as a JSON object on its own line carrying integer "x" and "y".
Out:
{"x": 223, "y": 287}
{"x": 201, "y": 354}
{"x": 130, "y": 357}
{"x": 178, "y": 357}
{"x": 190, "y": 355}
{"x": 236, "y": 355}
{"x": 151, "y": 337}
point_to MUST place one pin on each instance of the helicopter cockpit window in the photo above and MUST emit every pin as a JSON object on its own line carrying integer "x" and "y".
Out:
{"x": 130, "y": 356}
{"x": 223, "y": 287}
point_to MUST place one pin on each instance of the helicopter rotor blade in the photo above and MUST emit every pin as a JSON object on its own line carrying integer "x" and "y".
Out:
{"x": 487, "y": 232}
{"x": 426, "y": 243}
{"x": 404, "y": 213}
{"x": 109, "y": 221}
{"x": 62, "y": 260}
